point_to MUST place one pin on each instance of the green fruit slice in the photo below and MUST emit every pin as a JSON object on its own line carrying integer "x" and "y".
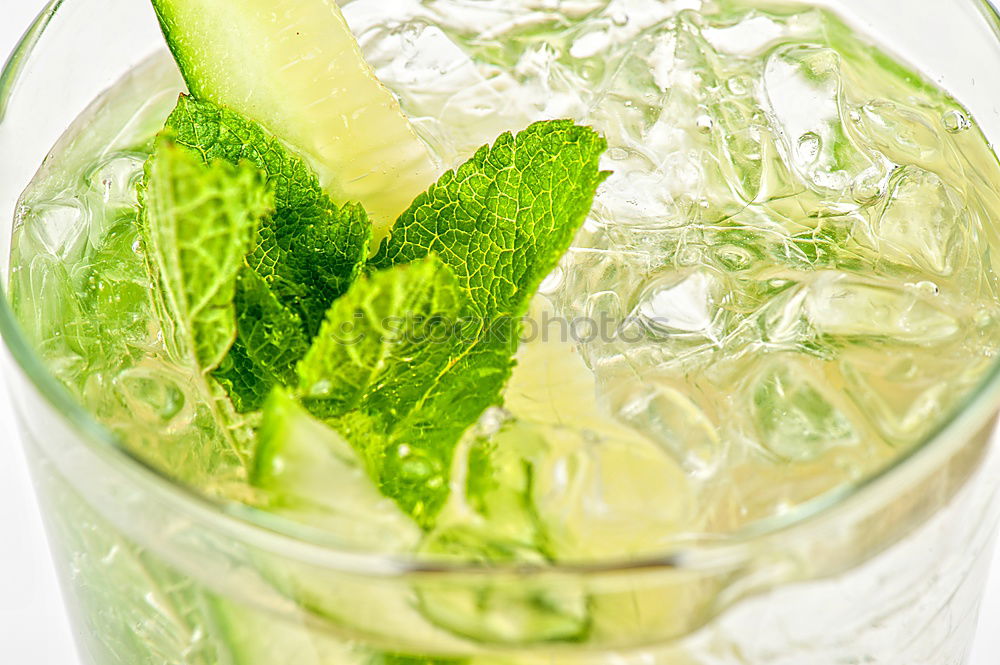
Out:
{"x": 296, "y": 68}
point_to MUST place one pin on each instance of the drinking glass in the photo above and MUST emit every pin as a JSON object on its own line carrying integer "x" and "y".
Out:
{"x": 887, "y": 571}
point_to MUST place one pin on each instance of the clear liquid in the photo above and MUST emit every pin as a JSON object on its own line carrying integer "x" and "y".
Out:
{"x": 790, "y": 269}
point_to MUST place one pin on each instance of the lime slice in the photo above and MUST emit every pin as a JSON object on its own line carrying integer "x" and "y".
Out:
{"x": 297, "y": 69}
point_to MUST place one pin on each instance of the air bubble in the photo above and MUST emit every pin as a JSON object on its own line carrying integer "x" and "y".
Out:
{"x": 734, "y": 258}
{"x": 809, "y": 147}
{"x": 867, "y": 187}
{"x": 737, "y": 86}
{"x": 704, "y": 124}
{"x": 956, "y": 122}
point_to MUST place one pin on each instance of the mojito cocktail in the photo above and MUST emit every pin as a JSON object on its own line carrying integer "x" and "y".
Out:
{"x": 515, "y": 333}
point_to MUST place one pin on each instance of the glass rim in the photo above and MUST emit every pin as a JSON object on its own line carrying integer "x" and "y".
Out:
{"x": 308, "y": 544}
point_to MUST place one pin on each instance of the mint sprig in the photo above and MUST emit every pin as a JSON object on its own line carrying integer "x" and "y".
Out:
{"x": 481, "y": 240}
{"x": 197, "y": 225}
{"x": 401, "y": 361}
{"x": 307, "y": 253}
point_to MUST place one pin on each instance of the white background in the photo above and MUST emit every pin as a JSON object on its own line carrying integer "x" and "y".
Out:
{"x": 33, "y": 628}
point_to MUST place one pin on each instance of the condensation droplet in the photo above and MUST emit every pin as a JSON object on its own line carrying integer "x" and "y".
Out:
{"x": 867, "y": 187}
{"x": 809, "y": 146}
{"x": 956, "y": 122}
{"x": 737, "y": 86}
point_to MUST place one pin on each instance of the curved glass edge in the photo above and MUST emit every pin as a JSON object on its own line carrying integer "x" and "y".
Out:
{"x": 15, "y": 63}
{"x": 991, "y": 12}
{"x": 312, "y": 546}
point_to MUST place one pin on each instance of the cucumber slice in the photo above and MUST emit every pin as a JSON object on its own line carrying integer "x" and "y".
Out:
{"x": 296, "y": 68}
{"x": 312, "y": 475}
{"x": 254, "y": 638}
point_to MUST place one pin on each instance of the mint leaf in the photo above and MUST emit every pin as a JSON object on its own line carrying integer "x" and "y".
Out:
{"x": 271, "y": 340}
{"x": 405, "y": 389}
{"x": 197, "y": 225}
{"x": 379, "y": 346}
{"x": 306, "y": 254}
{"x": 311, "y": 250}
{"x": 381, "y": 350}
{"x": 503, "y": 220}
{"x": 310, "y": 257}
{"x": 197, "y": 222}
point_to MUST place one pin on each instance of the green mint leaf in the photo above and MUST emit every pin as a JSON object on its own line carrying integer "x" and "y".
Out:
{"x": 478, "y": 243}
{"x": 270, "y": 342}
{"x": 503, "y": 220}
{"x": 377, "y": 347}
{"x": 311, "y": 250}
{"x": 382, "y": 349}
{"x": 197, "y": 225}
{"x": 311, "y": 256}
{"x": 306, "y": 254}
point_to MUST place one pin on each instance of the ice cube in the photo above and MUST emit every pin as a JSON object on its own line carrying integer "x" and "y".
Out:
{"x": 49, "y": 310}
{"x": 745, "y": 37}
{"x": 797, "y": 416}
{"x": 903, "y": 134}
{"x": 682, "y": 305}
{"x": 676, "y": 314}
{"x": 602, "y": 497}
{"x": 904, "y": 397}
{"x": 921, "y": 222}
{"x": 746, "y": 492}
{"x": 669, "y": 418}
{"x": 58, "y": 227}
{"x": 803, "y": 89}
{"x": 782, "y": 321}
{"x": 853, "y": 307}
{"x": 457, "y": 103}
{"x": 677, "y": 325}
